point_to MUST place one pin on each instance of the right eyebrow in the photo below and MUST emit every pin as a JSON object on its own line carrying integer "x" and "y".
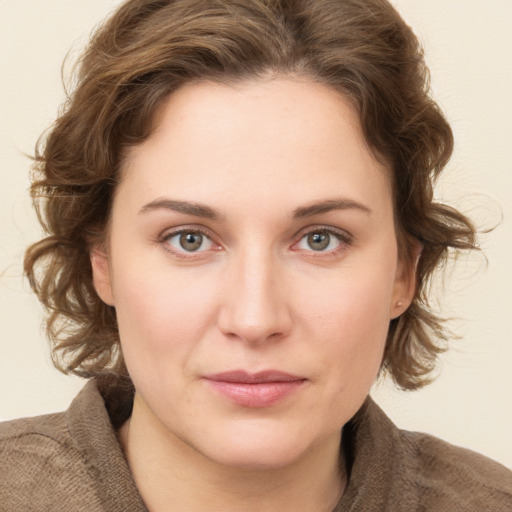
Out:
{"x": 186, "y": 207}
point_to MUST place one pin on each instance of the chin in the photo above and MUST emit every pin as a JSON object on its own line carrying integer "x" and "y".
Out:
{"x": 251, "y": 448}
{"x": 256, "y": 459}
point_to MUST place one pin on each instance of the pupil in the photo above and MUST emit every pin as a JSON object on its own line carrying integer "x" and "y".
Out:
{"x": 318, "y": 241}
{"x": 191, "y": 241}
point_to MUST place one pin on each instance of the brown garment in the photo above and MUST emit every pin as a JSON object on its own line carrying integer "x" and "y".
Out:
{"x": 72, "y": 461}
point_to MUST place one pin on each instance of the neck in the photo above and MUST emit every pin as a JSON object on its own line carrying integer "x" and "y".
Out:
{"x": 172, "y": 475}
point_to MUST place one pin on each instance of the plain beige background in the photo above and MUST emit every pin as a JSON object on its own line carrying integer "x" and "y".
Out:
{"x": 469, "y": 50}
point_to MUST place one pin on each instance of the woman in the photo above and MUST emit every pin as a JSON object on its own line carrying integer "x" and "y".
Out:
{"x": 238, "y": 200}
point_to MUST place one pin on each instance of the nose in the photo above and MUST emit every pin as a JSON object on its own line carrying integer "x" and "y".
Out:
{"x": 255, "y": 308}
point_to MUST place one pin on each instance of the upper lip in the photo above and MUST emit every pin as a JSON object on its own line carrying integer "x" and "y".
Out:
{"x": 243, "y": 377}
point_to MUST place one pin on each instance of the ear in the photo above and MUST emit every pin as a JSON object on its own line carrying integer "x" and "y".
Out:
{"x": 405, "y": 282}
{"x": 101, "y": 274}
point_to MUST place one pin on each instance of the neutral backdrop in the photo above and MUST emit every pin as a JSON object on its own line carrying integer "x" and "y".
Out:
{"x": 468, "y": 44}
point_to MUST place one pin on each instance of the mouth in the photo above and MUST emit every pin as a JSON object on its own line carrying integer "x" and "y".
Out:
{"x": 255, "y": 390}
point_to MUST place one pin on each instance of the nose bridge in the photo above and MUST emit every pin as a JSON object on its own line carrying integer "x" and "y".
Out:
{"x": 255, "y": 305}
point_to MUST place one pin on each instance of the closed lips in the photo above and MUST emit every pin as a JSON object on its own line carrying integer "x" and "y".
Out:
{"x": 242, "y": 377}
{"x": 255, "y": 390}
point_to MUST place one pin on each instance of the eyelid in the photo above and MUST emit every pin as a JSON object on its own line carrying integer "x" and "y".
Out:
{"x": 342, "y": 233}
{"x": 172, "y": 232}
{"x": 345, "y": 238}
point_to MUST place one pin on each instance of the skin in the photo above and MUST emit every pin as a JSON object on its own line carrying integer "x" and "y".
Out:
{"x": 256, "y": 295}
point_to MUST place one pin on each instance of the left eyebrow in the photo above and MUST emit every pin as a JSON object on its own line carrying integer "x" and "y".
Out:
{"x": 329, "y": 205}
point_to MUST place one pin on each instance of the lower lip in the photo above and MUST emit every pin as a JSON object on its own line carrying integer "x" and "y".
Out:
{"x": 257, "y": 395}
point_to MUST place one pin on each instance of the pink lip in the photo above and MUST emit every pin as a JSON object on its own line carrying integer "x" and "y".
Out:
{"x": 256, "y": 390}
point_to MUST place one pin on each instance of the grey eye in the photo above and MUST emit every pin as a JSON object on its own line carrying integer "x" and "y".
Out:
{"x": 191, "y": 241}
{"x": 318, "y": 241}
{"x": 321, "y": 241}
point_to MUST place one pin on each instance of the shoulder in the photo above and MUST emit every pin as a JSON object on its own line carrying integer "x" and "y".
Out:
{"x": 401, "y": 471}
{"x": 38, "y": 461}
{"x": 33, "y": 441}
{"x": 451, "y": 476}
{"x": 70, "y": 460}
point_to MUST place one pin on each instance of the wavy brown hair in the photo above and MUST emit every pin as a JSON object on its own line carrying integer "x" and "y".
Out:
{"x": 147, "y": 50}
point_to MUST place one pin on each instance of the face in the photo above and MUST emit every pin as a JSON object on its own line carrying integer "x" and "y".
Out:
{"x": 252, "y": 262}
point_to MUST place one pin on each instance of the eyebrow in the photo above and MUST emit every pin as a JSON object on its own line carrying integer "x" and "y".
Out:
{"x": 207, "y": 212}
{"x": 186, "y": 207}
{"x": 329, "y": 205}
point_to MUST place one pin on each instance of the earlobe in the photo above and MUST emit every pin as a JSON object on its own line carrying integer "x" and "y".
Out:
{"x": 101, "y": 274}
{"x": 403, "y": 293}
{"x": 405, "y": 283}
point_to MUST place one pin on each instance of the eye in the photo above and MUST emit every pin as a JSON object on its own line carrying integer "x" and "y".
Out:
{"x": 189, "y": 241}
{"x": 323, "y": 240}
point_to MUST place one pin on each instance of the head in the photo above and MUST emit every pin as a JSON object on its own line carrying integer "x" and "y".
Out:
{"x": 153, "y": 54}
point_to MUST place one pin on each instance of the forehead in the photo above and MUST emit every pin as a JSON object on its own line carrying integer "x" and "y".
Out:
{"x": 285, "y": 138}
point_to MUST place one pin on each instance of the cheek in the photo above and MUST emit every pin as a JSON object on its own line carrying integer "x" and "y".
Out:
{"x": 356, "y": 304}
{"x": 350, "y": 321}
{"x": 160, "y": 312}
{"x": 351, "y": 330}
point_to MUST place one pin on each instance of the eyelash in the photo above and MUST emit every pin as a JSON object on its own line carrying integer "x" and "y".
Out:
{"x": 344, "y": 238}
{"x": 164, "y": 239}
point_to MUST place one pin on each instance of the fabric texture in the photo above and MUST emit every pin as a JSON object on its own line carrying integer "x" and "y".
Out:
{"x": 72, "y": 461}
